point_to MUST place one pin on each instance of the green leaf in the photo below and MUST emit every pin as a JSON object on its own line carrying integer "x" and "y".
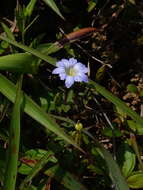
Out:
{"x": 7, "y": 31}
{"x": 14, "y": 140}
{"x": 54, "y": 7}
{"x": 127, "y": 159}
{"x": 20, "y": 17}
{"x": 65, "y": 108}
{"x": 29, "y": 8}
{"x": 4, "y": 45}
{"x": 117, "y": 102}
{"x": 70, "y": 96}
{"x": 19, "y": 62}
{"x": 135, "y": 127}
{"x": 35, "y": 52}
{"x": 121, "y": 114}
{"x": 132, "y": 88}
{"x": 135, "y": 180}
{"x": 38, "y": 166}
{"x": 107, "y": 131}
{"x": 132, "y": 125}
{"x": 62, "y": 176}
{"x": 114, "y": 171}
{"x": 91, "y": 5}
{"x": 24, "y": 169}
{"x": 31, "y": 108}
{"x": 100, "y": 73}
{"x": 37, "y": 154}
{"x": 49, "y": 48}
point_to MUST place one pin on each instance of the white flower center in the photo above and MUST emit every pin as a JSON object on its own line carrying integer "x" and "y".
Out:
{"x": 71, "y": 71}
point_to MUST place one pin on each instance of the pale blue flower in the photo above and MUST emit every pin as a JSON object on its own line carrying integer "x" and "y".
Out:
{"x": 71, "y": 71}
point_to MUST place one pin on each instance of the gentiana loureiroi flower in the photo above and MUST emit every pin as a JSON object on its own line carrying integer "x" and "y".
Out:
{"x": 71, "y": 71}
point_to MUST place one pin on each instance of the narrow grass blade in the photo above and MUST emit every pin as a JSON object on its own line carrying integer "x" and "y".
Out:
{"x": 54, "y": 7}
{"x": 14, "y": 140}
{"x": 54, "y": 47}
{"x": 49, "y": 48}
{"x": 19, "y": 62}
{"x": 29, "y": 8}
{"x": 35, "y": 52}
{"x": 116, "y": 101}
{"x": 65, "y": 178}
{"x": 114, "y": 171}
{"x": 7, "y": 31}
{"x": 31, "y": 108}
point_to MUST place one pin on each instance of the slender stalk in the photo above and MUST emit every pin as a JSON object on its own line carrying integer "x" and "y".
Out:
{"x": 135, "y": 147}
{"x": 14, "y": 140}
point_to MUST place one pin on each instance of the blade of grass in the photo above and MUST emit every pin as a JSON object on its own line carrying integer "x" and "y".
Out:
{"x": 117, "y": 102}
{"x": 114, "y": 171}
{"x": 49, "y": 48}
{"x": 35, "y": 52}
{"x": 9, "y": 34}
{"x": 14, "y": 140}
{"x": 54, "y": 7}
{"x": 19, "y": 62}
{"x": 29, "y": 8}
{"x": 7, "y": 88}
{"x": 54, "y": 47}
{"x": 7, "y": 31}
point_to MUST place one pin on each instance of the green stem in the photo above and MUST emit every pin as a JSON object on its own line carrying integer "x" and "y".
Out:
{"x": 135, "y": 147}
{"x": 14, "y": 140}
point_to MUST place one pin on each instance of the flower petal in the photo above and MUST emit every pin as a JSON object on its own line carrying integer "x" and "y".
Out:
{"x": 58, "y": 70}
{"x": 62, "y": 76}
{"x": 81, "y": 68}
{"x": 69, "y": 81}
{"x": 72, "y": 61}
{"x": 78, "y": 78}
{"x": 84, "y": 78}
{"x": 60, "y": 64}
{"x": 67, "y": 63}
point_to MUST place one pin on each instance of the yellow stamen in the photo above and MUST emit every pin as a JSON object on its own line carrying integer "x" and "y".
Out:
{"x": 71, "y": 72}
